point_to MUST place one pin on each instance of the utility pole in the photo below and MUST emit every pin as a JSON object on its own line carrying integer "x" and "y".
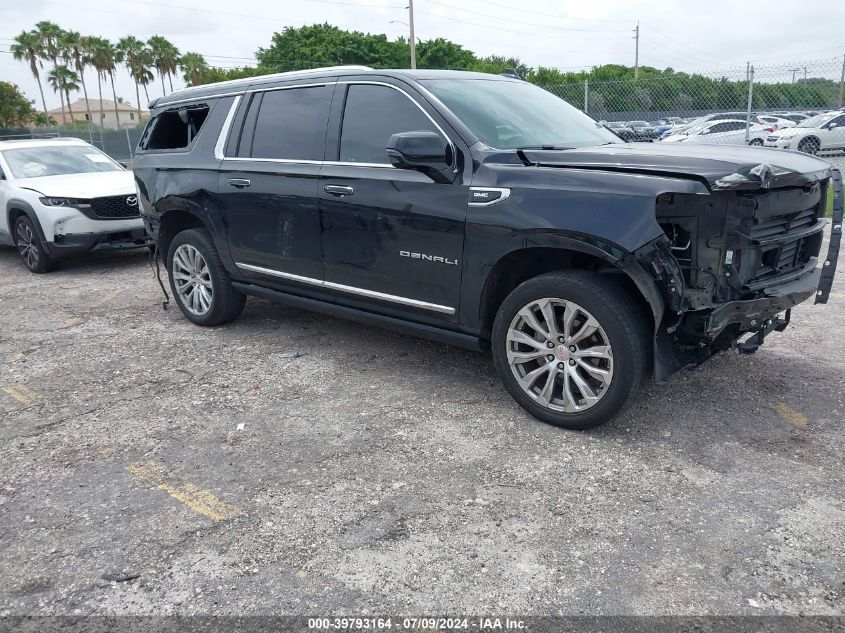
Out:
{"x": 750, "y": 74}
{"x": 413, "y": 37}
{"x": 793, "y": 71}
{"x": 842, "y": 82}
{"x": 805, "y": 74}
{"x": 637, "y": 51}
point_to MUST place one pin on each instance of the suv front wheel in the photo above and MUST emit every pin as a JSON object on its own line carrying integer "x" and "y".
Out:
{"x": 571, "y": 348}
{"x": 199, "y": 281}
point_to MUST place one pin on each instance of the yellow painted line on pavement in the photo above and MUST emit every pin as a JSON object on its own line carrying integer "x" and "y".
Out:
{"x": 22, "y": 394}
{"x": 16, "y": 358}
{"x": 795, "y": 418}
{"x": 106, "y": 299}
{"x": 198, "y": 499}
{"x": 68, "y": 323}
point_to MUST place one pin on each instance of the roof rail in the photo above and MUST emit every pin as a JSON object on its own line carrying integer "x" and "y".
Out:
{"x": 291, "y": 73}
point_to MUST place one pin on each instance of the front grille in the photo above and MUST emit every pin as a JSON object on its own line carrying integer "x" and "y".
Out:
{"x": 779, "y": 253}
{"x": 115, "y": 207}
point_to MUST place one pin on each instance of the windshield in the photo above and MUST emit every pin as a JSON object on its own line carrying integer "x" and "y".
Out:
{"x": 819, "y": 119}
{"x": 512, "y": 114}
{"x": 57, "y": 160}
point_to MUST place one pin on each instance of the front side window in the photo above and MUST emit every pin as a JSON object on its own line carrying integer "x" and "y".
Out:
{"x": 372, "y": 115}
{"x": 291, "y": 123}
{"x": 509, "y": 114}
{"x": 57, "y": 160}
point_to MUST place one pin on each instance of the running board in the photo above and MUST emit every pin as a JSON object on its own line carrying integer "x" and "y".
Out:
{"x": 430, "y": 332}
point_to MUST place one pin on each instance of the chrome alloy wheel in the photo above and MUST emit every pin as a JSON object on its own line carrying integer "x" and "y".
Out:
{"x": 560, "y": 355}
{"x": 26, "y": 245}
{"x": 192, "y": 279}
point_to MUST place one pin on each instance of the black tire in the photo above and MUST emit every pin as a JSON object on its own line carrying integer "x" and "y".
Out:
{"x": 31, "y": 248}
{"x": 622, "y": 321}
{"x": 757, "y": 142}
{"x": 226, "y": 303}
{"x": 809, "y": 146}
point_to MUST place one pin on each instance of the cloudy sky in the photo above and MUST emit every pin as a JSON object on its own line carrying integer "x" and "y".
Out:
{"x": 709, "y": 36}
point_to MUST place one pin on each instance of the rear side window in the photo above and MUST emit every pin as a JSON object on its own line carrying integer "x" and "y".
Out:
{"x": 291, "y": 123}
{"x": 371, "y": 116}
{"x": 175, "y": 129}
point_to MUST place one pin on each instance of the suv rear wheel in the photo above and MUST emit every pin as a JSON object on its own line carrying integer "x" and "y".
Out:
{"x": 199, "y": 282}
{"x": 571, "y": 348}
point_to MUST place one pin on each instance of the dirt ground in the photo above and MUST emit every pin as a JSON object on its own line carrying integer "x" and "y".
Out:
{"x": 293, "y": 463}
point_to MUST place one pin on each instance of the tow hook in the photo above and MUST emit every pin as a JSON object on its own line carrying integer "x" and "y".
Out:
{"x": 753, "y": 343}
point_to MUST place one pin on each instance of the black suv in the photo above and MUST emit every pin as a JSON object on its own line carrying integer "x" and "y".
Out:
{"x": 481, "y": 211}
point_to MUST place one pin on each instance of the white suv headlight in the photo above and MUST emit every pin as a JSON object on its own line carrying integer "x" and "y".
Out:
{"x": 62, "y": 202}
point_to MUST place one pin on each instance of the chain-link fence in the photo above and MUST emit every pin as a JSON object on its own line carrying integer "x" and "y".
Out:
{"x": 119, "y": 144}
{"x": 792, "y": 106}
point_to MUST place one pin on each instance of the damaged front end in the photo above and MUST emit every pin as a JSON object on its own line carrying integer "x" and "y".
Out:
{"x": 736, "y": 261}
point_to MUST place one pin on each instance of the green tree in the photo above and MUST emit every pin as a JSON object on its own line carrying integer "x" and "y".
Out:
{"x": 49, "y": 33}
{"x": 441, "y": 53}
{"x": 42, "y": 119}
{"x": 133, "y": 53}
{"x": 194, "y": 68}
{"x": 15, "y": 109}
{"x": 165, "y": 58}
{"x": 27, "y": 47}
{"x": 496, "y": 65}
{"x": 327, "y": 45}
{"x": 62, "y": 80}
{"x": 101, "y": 54}
{"x": 76, "y": 47}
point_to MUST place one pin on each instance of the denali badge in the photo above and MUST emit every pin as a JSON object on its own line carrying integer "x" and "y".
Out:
{"x": 429, "y": 258}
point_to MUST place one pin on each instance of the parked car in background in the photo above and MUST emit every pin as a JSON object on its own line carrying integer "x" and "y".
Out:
{"x": 796, "y": 117}
{"x": 63, "y": 196}
{"x": 661, "y": 125}
{"x": 643, "y": 131}
{"x": 728, "y": 132}
{"x": 621, "y": 130}
{"x": 823, "y": 132}
{"x": 772, "y": 121}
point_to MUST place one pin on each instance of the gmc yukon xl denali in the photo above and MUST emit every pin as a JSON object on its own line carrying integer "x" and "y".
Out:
{"x": 485, "y": 212}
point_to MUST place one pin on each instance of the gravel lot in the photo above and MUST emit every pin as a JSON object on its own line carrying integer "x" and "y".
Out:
{"x": 293, "y": 463}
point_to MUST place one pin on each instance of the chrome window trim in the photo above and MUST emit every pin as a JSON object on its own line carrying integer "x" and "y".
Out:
{"x": 199, "y": 98}
{"x": 291, "y": 87}
{"x": 349, "y": 289}
{"x": 224, "y": 131}
{"x": 506, "y": 193}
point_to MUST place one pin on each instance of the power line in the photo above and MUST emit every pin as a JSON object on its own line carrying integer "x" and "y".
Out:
{"x": 512, "y": 21}
{"x": 505, "y": 30}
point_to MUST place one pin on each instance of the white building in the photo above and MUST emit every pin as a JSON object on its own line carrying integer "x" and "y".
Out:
{"x": 127, "y": 114}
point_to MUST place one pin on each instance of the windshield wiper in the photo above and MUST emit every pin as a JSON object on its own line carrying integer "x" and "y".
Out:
{"x": 550, "y": 147}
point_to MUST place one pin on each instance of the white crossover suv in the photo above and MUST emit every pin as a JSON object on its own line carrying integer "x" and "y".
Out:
{"x": 61, "y": 196}
{"x": 823, "y": 132}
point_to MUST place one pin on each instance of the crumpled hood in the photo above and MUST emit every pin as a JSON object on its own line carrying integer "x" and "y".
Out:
{"x": 720, "y": 166}
{"x": 86, "y": 186}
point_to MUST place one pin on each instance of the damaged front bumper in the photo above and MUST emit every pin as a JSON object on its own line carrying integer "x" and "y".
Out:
{"x": 687, "y": 334}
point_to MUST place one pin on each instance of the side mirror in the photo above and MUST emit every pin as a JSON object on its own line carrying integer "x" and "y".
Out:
{"x": 124, "y": 165}
{"x": 423, "y": 151}
{"x": 832, "y": 125}
{"x": 706, "y": 131}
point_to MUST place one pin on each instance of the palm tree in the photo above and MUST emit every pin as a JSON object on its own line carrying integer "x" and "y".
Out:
{"x": 193, "y": 67}
{"x": 101, "y": 55}
{"x": 131, "y": 52}
{"x": 76, "y": 48}
{"x": 63, "y": 79}
{"x": 42, "y": 119}
{"x": 27, "y": 47}
{"x": 165, "y": 58}
{"x": 49, "y": 34}
{"x": 141, "y": 71}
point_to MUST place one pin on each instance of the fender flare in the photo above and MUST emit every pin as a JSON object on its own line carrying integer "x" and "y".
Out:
{"x": 26, "y": 207}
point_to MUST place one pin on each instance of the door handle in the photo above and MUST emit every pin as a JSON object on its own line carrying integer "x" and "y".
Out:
{"x": 339, "y": 190}
{"x": 240, "y": 183}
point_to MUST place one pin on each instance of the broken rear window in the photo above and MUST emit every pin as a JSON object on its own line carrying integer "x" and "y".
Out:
{"x": 175, "y": 129}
